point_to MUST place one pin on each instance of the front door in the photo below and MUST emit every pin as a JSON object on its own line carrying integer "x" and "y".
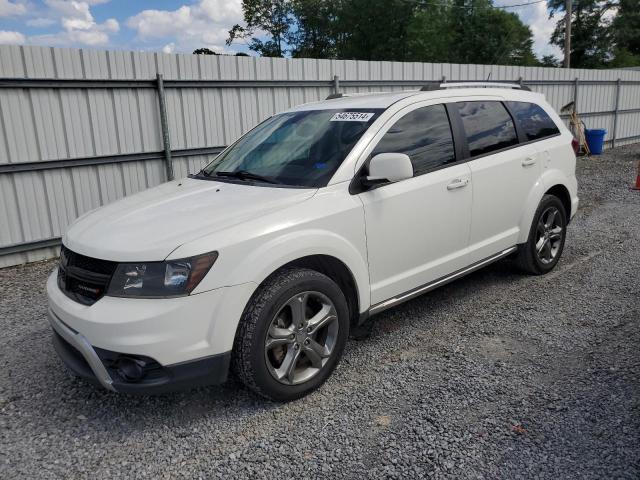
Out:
{"x": 418, "y": 229}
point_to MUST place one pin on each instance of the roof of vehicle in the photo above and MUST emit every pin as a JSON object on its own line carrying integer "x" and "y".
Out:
{"x": 386, "y": 99}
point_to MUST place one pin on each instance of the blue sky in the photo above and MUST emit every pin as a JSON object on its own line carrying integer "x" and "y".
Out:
{"x": 166, "y": 25}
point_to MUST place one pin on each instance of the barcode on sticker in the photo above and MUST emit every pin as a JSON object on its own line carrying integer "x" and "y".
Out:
{"x": 351, "y": 117}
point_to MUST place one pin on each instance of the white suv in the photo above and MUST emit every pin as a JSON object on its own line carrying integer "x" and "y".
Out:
{"x": 313, "y": 221}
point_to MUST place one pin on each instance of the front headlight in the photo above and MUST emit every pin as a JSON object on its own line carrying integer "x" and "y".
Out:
{"x": 171, "y": 278}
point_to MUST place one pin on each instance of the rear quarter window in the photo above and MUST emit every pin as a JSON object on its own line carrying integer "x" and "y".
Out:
{"x": 488, "y": 126}
{"x": 534, "y": 122}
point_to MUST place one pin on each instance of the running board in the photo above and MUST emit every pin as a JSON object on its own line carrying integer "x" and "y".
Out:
{"x": 392, "y": 302}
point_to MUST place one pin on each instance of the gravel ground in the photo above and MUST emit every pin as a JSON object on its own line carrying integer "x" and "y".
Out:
{"x": 497, "y": 375}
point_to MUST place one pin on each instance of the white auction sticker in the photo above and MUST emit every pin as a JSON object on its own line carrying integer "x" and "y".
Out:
{"x": 351, "y": 117}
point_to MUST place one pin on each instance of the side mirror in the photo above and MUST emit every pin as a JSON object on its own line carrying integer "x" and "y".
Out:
{"x": 389, "y": 167}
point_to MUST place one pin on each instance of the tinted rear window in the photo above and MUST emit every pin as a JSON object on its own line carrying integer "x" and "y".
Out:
{"x": 488, "y": 127}
{"x": 533, "y": 120}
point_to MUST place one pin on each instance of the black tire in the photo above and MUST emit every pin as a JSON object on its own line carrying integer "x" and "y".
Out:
{"x": 250, "y": 358}
{"x": 527, "y": 258}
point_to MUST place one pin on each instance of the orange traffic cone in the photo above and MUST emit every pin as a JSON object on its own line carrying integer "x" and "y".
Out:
{"x": 637, "y": 185}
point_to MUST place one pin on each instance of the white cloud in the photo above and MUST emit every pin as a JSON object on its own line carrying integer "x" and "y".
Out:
{"x": 40, "y": 22}
{"x": 75, "y": 15}
{"x": 537, "y": 17}
{"x": 169, "y": 48}
{"x": 542, "y": 28}
{"x": 11, "y": 9}
{"x": 205, "y": 24}
{"x": 222, "y": 10}
{"x": 11, "y": 38}
{"x": 96, "y": 36}
{"x": 111, "y": 25}
{"x": 79, "y": 26}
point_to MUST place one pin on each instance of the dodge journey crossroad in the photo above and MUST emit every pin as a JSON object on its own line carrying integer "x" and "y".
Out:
{"x": 309, "y": 224}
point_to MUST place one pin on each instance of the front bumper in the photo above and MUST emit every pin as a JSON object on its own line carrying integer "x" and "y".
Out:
{"x": 98, "y": 366}
{"x": 78, "y": 354}
{"x": 186, "y": 340}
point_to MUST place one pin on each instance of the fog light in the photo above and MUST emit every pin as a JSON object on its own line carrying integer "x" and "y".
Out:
{"x": 130, "y": 369}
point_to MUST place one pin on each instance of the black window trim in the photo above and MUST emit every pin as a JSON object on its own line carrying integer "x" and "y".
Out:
{"x": 522, "y": 137}
{"x": 460, "y": 143}
{"x": 459, "y": 135}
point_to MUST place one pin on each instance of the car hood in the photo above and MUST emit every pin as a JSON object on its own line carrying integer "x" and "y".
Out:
{"x": 149, "y": 225}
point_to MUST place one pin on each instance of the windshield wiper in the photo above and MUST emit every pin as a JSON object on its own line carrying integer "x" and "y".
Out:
{"x": 244, "y": 175}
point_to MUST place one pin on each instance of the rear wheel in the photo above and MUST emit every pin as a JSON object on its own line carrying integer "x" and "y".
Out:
{"x": 292, "y": 334}
{"x": 546, "y": 239}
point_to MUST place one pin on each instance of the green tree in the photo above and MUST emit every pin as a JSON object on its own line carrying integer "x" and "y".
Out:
{"x": 457, "y": 31}
{"x": 314, "y": 34}
{"x": 469, "y": 31}
{"x": 204, "y": 51}
{"x": 274, "y": 17}
{"x": 624, "y": 58}
{"x": 549, "y": 61}
{"x": 626, "y": 31}
{"x": 592, "y": 38}
{"x": 373, "y": 29}
{"x": 430, "y": 38}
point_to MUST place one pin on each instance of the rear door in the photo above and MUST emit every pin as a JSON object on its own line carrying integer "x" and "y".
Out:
{"x": 535, "y": 125}
{"x": 503, "y": 171}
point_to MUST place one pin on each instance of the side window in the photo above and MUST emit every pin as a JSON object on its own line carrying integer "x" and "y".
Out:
{"x": 533, "y": 120}
{"x": 425, "y": 135}
{"x": 488, "y": 127}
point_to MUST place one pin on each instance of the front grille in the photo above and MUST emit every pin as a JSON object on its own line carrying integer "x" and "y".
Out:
{"x": 83, "y": 279}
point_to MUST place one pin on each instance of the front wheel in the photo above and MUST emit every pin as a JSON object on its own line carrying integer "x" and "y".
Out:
{"x": 292, "y": 334}
{"x": 546, "y": 237}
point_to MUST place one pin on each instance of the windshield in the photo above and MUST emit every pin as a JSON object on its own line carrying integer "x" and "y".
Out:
{"x": 299, "y": 148}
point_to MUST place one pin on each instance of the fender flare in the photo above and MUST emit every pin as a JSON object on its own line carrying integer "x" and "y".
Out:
{"x": 284, "y": 249}
{"x": 547, "y": 180}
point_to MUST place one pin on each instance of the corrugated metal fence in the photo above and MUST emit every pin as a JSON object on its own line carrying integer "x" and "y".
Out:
{"x": 82, "y": 128}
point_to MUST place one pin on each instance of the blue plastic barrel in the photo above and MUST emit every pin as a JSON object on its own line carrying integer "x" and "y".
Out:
{"x": 595, "y": 139}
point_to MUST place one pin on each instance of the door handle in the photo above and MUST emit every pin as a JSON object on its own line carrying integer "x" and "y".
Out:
{"x": 527, "y": 162}
{"x": 458, "y": 183}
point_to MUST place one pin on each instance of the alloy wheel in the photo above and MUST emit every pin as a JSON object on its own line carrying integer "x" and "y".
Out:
{"x": 301, "y": 337}
{"x": 550, "y": 232}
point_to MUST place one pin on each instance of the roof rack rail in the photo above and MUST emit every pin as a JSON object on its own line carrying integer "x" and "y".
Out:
{"x": 431, "y": 87}
{"x": 442, "y": 86}
{"x": 335, "y": 95}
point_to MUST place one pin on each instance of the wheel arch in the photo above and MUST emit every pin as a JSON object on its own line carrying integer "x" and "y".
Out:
{"x": 548, "y": 185}
{"x": 333, "y": 267}
{"x": 562, "y": 192}
{"x": 337, "y": 271}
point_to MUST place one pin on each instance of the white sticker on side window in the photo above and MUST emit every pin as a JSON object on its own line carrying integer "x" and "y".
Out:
{"x": 351, "y": 117}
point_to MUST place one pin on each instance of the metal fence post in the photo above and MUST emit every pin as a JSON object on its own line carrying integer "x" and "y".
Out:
{"x": 575, "y": 94}
{"x": 166, "y": 141}
{"x": 615, "y": 115}
{"x": 336, "y": 84}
